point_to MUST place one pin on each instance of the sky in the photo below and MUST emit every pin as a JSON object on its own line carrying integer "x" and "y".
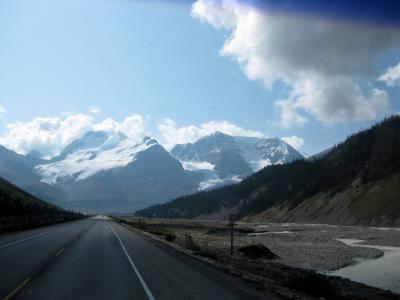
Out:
{"x": 178, "y": 70}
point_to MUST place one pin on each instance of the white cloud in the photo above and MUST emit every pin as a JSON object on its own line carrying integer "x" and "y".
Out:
{"x": 2, "y": 109}
{"x": 338, "y": 99}
{"x": 133, "y": 126}
{"x": 320, "y": 60}
{"x": 49, "y": 135}
{"x": 93, "y": 110}
{"x": 289, "y": 115}
{"x": 294, "y": 141}
{"x": 171, "y": 135}
{"x": 391, "y": 76}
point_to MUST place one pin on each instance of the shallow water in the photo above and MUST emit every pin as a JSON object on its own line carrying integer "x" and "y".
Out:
{"x": 383, "y": 272}
{"x": 270, "y": 232}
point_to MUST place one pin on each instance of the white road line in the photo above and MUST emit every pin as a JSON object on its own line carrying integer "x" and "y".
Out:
{"x": 25, "y": 239}
{"x": 17, "y": 289}
{"x": 143, "y": 283}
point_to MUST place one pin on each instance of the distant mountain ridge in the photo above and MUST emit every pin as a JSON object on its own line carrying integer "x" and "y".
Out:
{"x": 225, "y": 159}
{"x": 355, "y": 182}
{"x": 108, "y": 172}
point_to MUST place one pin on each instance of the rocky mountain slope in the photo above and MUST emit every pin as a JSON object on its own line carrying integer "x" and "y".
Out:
{"x": 356, "y": 182}
{"x": 20, "y": 170}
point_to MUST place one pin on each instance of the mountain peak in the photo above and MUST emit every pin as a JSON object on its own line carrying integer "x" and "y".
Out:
{"x": 34, "y": 154}
{"x": 149, "y": 141}
{"x": 217, "y": 134}
{"x": 224, "y": 159}
{"x": 93, "y": 139}
{"x": 96, "y": 151}
{"x": 100, "y": 136}
{"x": 95, "y": 133}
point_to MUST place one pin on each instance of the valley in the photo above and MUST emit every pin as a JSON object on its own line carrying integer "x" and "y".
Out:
{"x": 357, "y": 182}
{"x": 303, "y": 226}
{"x": 199, "y": 150}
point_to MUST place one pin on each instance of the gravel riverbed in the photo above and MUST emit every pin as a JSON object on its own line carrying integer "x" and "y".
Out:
{"x": 316, "y": 246}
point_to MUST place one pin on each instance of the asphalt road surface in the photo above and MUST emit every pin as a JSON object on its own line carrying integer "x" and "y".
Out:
{"x": 100, "y": 259}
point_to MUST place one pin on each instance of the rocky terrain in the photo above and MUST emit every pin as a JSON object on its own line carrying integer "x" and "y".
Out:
{"x": 300, "y": 256}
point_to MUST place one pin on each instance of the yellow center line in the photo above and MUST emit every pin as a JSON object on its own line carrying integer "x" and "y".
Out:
{"x": 17, "y": 289}
{"x": 59, "y": 252}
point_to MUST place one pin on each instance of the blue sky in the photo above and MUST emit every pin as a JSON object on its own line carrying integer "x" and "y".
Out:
{"x": 159, "y": 60}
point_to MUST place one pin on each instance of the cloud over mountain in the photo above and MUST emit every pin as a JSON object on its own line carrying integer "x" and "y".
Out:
{"x": 392, "y": 76}
{"x": 49, "y": 135}
{"x": 295, "y": 141}
{"x": 321, "y": 60}
{"x": 171, "y": 134}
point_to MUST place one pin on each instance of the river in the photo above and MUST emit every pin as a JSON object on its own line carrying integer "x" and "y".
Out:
{"x": 383, "y": 272}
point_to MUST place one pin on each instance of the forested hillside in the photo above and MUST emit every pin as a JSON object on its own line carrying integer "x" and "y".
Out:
{"x": 358, "y": 180}
{"x": 20, "y": 210}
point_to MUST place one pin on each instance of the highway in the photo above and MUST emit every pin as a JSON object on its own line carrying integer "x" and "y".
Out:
{"x": 99, "y": 259}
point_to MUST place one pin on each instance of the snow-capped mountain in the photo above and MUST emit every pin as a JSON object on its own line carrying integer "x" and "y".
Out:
{"x": 223, "y": 159}
{"x": 107, "y": 171}
{"x": 93, "y": 153}
{"x": 101, "y": 172}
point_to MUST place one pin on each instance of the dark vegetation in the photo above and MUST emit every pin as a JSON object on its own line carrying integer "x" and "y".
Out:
{"x": 237, "y": 231}
{"x": 20, "y": 210}
{"x": 257, "y": 251}
{"x": 164, "y": 230}
{"x": 190, "y": 243}
{"x": 150, "y": 228}
{"x": 369, "y": 155}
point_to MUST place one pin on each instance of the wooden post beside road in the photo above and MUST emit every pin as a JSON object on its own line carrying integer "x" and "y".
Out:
{"x": 231, "y": 224}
